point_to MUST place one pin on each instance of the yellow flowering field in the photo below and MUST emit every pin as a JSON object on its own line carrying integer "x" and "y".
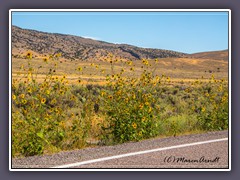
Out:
{"x": 55, "y": 108}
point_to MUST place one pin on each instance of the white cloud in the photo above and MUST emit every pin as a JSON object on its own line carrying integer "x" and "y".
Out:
{"x": 90, "y": 37}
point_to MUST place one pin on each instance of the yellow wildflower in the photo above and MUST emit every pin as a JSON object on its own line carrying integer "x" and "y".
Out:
{"x": 147, "y": 103}
{"x": 29, "y": 90}
{"x": 47, "y": 92}
{"x": 43, "y": 100}
{"x": 134, "y": 96}
{"x": 79, "y": 69}
{"x": 13, "y": 97}
{"x": 143, "y": 119}
{"x": 102, "y": 93}
{"x": 129, "y": 62}
{"x": 22, "y": 96}
{"x": 150, "y": 109}
{"x": 45, "y": 59}
{"x": 29, "y": 55}
{"x": 134, "y": 125}
{"x": 140, "y": 106}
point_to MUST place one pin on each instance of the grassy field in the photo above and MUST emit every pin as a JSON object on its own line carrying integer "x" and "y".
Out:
{"x": 179, "y": 69}
{"x": 59, "y": 104}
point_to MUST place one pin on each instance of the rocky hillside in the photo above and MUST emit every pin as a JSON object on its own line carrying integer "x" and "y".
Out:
{"x": 75, "y": 47}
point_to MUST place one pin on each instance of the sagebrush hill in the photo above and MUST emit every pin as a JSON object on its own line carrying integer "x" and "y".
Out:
{"x": 79, "y": 48}
{"x": 75, "y": 47}
{"x": 216, "y": 55}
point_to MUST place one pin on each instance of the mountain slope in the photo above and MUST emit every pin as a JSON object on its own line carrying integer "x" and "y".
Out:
{"x": 75, "y": 47}
{"x": 217, "y": 55}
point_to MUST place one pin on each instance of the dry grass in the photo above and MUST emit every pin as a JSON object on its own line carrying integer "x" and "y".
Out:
{"x": 179, "y": 69}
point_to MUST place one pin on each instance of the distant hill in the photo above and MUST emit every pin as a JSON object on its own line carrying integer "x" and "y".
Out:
{"x": 75, "y": 47}
{"x": 79, "y": 48}
{"x": 217, "y": 55}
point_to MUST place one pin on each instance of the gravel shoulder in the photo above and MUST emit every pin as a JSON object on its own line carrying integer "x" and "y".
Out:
{"x": 48, "y": 161}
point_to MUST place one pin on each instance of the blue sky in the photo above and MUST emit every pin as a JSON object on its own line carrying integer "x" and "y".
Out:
{"x": 188, "y": 32}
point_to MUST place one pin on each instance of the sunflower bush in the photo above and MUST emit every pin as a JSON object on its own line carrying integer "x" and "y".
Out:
{"x": 41, "y": 117}
{"x": 213, "y": 110}
{"x": 130, "y": 108}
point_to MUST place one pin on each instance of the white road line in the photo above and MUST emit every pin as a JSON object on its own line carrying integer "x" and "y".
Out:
{"x": 137, "y": 153}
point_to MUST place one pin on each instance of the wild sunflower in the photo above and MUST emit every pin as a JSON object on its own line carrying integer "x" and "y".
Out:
{"x": 150, "y": 109}
{"x": 29, "y": 55}
{"x": 22, "y": 96}
{"x": 147, "y": 104}
{"x": 102, "y": 93}
{"x": 140, "y": 106}
{"x": 144, "y": 61}
{"x": 129, "y": 63}
{"x": 43, "y": 100}
{"x": 29, "y": 90}
{"x": 13, "y": 97}
{"x": 224, "y": 98}
{"x": 72, "y": 98}
{"x": 45, "y": 60}
{"x": 57, "y": 111}
{"x": 134, "y": 125}
{"x": 54, "y": 101}
{"x": 61, "y": 92}
{"x": 47, "y": 92}
{"x": 79, "y": 69}
{"x": 134, "y": 96}
{"x": 58, "y": 55}
{"x": 24, "y": 101}
{"x": 46, "y": 119}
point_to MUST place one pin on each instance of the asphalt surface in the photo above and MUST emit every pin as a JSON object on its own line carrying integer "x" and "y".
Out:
{"x": 207, "y": 155}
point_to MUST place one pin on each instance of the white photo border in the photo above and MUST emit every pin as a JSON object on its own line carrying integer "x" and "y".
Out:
{"x": 118, "y": 10}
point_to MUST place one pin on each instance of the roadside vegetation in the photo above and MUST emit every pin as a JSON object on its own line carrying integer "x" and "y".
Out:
{"x": 113, "y": 102}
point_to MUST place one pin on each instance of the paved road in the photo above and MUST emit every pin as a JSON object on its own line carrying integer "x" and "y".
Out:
{"x": 208, "y": 150}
